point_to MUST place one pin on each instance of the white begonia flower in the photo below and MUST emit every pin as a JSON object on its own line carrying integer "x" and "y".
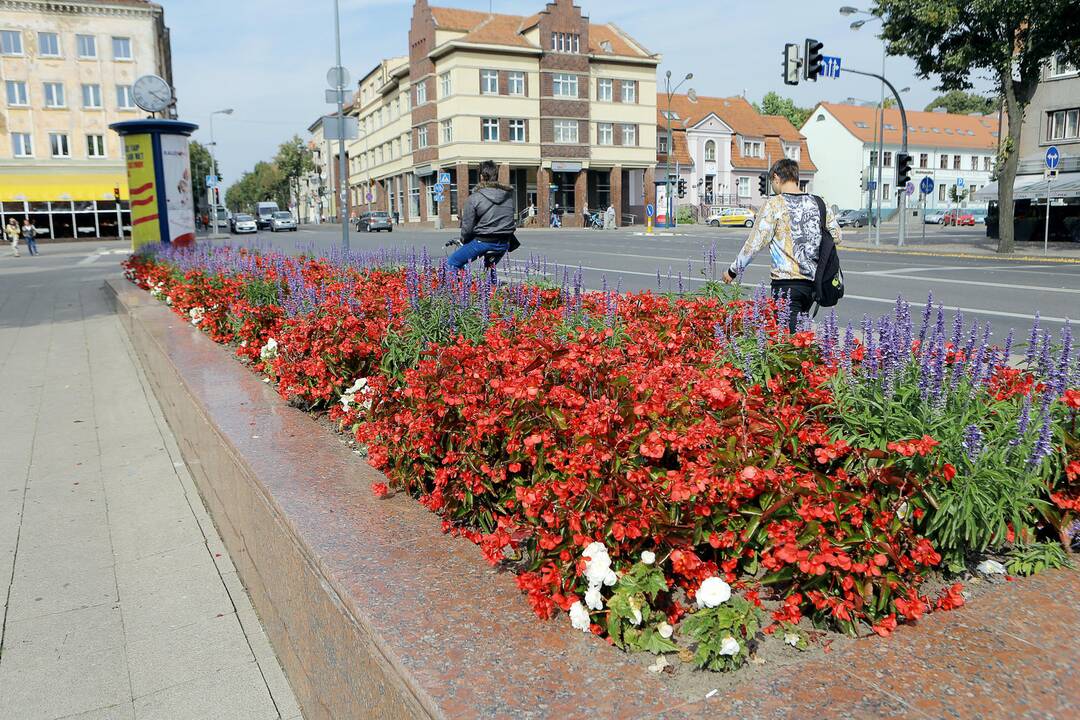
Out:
{"x": 648, "y": 557}
{"x": 597, "y": 563}
{"x": 729, "y": 646}
{"x": 168, "y": 300}
{"x": 349, "y": 396}
{"x": 611, "y": 578}
{"x": 579, "y": 617}
{"x": 902, "y": 511}
{"x": 196, "y": 314}
{"x": 713, "y": 592}
{"x": 791, "y": 639}
{"x": 990, "y": 567}
{"x": 665, "y": 630}
{"x": 593, "y": 598}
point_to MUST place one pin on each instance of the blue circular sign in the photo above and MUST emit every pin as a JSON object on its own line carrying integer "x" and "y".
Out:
{"x": 1053, "y": 157}
{"x": 650, "y": 210}
{"x": 926, "y": 186}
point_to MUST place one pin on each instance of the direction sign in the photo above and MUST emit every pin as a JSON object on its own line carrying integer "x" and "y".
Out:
{"x": 926, "y": 186}
{"x": 650, "y": 211}
{"x": 960, "y": 183}
{"x": 211, "y": 181}
{"x": 444, "y": 178}
{"x": 438, "y": 197}
{"x": 871, "y": 185}
{"x": 1053, "y": 157}
{"x": 830, "y": 66}
{"x": 909, "y": 188}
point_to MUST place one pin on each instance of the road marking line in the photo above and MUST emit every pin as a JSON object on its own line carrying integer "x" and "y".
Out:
{"x": 970, "y": 256}
{"x": 981, "y": 283}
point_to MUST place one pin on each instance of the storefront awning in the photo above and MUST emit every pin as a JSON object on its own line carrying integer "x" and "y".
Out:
{"x": 61, "y": 186}
{"x": 1033, "y": 187}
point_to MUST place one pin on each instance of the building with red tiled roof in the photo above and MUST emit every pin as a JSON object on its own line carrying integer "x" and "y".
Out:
{"x": 564, "y": 105}
{"x": 957, "y": 152}
{"x": 721, "y": 145}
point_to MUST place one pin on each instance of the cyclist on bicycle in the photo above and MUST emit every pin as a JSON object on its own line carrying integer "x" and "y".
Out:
{"x": 487, "y": 221}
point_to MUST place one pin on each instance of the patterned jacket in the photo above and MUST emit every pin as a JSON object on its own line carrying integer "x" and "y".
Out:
{"x": 790, "y": 224}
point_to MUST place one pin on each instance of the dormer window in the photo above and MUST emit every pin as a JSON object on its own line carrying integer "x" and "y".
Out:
{"x": 605, "y": 45}
{"x": 565, "y": 42}
{"x": 753, "y": 148}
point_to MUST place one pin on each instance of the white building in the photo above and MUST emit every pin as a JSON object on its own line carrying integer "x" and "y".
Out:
{"x": 953, "y": 150}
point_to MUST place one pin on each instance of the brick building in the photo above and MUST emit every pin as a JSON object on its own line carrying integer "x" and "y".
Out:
{"x": 566, "y": 107}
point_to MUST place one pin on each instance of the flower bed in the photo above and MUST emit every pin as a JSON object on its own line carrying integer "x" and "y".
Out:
{"x": 673, "y": 472}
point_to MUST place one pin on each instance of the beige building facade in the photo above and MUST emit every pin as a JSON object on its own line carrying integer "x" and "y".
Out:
{"x": 66, "y": 72}
{"x": 564, "y": 106}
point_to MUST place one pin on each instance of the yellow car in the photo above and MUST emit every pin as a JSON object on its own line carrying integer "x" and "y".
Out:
{"x": 732, "y": 217}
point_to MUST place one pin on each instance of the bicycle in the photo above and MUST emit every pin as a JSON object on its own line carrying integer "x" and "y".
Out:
{"x": 491, "y": 257}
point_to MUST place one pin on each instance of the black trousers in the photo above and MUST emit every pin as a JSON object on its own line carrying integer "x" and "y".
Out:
{"x": 801, "y": 293}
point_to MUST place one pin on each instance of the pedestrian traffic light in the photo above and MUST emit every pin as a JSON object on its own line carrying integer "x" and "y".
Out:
{"x": 814, "y": 61}
{"x": 116, "y": 193}
{"x": 682, "y": 187}
{"x": 217, "y": 196}
{"x": 791, "y": 64}
{"x": 763, "y": 184}
{"x": 903, "y": 170}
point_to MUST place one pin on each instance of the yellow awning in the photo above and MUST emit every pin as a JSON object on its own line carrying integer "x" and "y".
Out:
{"x": 61, "y": 186}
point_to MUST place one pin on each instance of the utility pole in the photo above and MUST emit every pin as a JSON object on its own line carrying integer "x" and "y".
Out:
{"x": 671, "y": 142}
{"x": 214, "y": 170}
{"x": 343, "y": 182}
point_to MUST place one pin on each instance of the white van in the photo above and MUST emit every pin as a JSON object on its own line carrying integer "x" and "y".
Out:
{"x": 264, "y": 213}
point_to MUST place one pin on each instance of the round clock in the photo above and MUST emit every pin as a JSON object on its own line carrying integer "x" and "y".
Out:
{"x": 152, "y": 93}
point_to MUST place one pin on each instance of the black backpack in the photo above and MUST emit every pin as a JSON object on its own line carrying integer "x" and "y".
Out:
{"x": 829, "y": 278}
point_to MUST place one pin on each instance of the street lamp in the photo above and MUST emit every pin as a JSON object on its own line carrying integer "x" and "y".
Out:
{"x": 213, "y": 163}
{"x": 670, "y": 140}
{"x": 848, "y": 10}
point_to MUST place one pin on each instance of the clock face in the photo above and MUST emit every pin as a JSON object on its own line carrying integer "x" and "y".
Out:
{"x": 152, "y": 93}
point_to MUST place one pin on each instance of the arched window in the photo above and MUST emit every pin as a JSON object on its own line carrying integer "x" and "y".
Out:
{"x": 710, "y": 151}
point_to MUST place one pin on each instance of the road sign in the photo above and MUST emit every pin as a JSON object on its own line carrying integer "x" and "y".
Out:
{"x": 341, "y": 128}
{"x": 650, "y": 211}
{"x": 211, "y": 181}
{"x": 337, "y": 77}
{"x": 909, "y": 188}
{"x": 438, "y": 187}
{"x": 871, "y": 185}
{"x": 926, "y": 186}
{"x": 444, "y": 178}
{"x": 960, "y": 183}
{"x": 438, "y": 197}
{"x": 370, "y": 197}
{"x": 830, "y": 66}
{"x": 1053, "y": 157}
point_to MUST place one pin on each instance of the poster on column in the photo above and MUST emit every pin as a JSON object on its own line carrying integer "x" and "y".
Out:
{"x": 176, "y": 175}
{"x": 661, "y": 204}
{"x": 143, "y": 191}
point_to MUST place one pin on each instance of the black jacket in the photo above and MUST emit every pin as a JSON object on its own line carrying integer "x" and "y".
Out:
{"x": 488, "y": 214}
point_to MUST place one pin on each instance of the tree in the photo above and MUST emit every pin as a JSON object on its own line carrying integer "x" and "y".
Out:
{"x": 959, "y": 102}
{"x": 264, "y": 183}
{"x": 293, "y": 161}
{"x": 774, "y": 104}
{"x": 201, "y": 166}
{"x": 1009, "y": 39}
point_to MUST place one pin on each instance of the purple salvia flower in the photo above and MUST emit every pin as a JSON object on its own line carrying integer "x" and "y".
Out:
{"x": 1042, "y": 448}
{"x": 1022, "y": 422}
{"x": 972, "y": 442}
{"x": 926, "y": 317}
{"x": 1033, "y": 341}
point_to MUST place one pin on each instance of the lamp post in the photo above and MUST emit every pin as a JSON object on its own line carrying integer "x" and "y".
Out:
{"x": 670, "y": 140}
{"x": 847, "y": 10}
{"x": 213, "y": 169}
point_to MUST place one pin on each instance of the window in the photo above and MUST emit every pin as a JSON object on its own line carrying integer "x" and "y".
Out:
{"x": 565, "y": 42}
{"x": 10, "y": 42}
{"x": 924, "y": 160}
{"x": 986, "y": 163}
{"x": 752, "y": 148}
{"x": 603, "y": 90}
{"x": 1062, "y": 124}
{"x": 564, "y": 85}
{"x": 95, "y": 146}
{"x": 22, "y": 145}
{"x": 86, "y": 46}
{"x": 792, "y": 152}
{"x": 885, "y": 191}
{"x": 16, "y": 93}
{"x": 405, "y": 97}
{"x": 873, "y": 158}
{"x": 661, "y": 144}
{"x": 58, "y": 144}
{"x": 447, "y": 132}
{"x": 379, "y": 152}
{"x": 515, "y": 83}
{"x": 886, "y": 158}
{"x": 974, "y": 162}
{"x": 943, "y": 162}
{"x": 605, "y": 134}
{"x": 123, "y": 97}
{"x": 489, "y": 82}
{"x": 54, "y": 94}
{"x": 421, "y": 93}
{"x": 91, "y": 96}
{"x": 566, "y": 131}
{"x": 629, "y": 91}
{"x": 516, "y": 130}
{"x": 941, "y": 192}
{"x": 1059, "y": 67}
{"x": 956, "y": 162}
{"x": 48, "y": 44}
{"x": 629, "y": 135}
{"x": 860, "y": 124}
{"x": 421, "y": 138}
{"x": 445, "y": 88}
{"x": 489, "y": 130}
{"x": 742, "y": 185}
{"x": 121, "y": 48}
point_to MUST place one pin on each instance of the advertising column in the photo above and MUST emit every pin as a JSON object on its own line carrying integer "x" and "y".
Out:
{"x": 159, "y": 180}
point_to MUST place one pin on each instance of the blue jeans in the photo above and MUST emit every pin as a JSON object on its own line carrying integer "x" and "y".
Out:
{"x": 31, "y": 244}
{"x": 472, "y": 250}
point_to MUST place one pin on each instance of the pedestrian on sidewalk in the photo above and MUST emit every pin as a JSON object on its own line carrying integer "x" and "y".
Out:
{"x": 29, "y": 233}
{"x": 790, "y": 224}
{"x": 11, "y": 232}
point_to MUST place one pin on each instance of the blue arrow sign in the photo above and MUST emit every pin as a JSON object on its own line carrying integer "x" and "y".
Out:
{"x": 830, "y": 66}
{"x": 926, "y": 186}
{"x": 650, "y": 211}
{"x": 438, "y": 187}
{"x": 1053, "y": 157}
{"x": 444, "y": 178}
{"x": 909, "y": 188}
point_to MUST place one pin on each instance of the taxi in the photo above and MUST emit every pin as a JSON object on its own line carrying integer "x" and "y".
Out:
{"x": 732, "y": 217}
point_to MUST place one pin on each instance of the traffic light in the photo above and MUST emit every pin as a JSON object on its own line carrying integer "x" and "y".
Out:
{"x": 217, "y": 197}
{"x": 116, "y": 193}
{"x": 814, "y": 61}
{"x": 903, "y": 170}
{"x": 763, "y": 184}
{"x": 791, "y": 64}
{"x": 682, "y": 187}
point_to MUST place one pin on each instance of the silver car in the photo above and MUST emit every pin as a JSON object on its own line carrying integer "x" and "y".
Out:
{"x": 282, "y": 220}
{"x": 244, "y": 224}
{"x": 933, "y": 217}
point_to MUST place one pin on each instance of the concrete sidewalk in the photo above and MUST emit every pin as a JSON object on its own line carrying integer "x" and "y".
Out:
{"x": 117, "y": 598}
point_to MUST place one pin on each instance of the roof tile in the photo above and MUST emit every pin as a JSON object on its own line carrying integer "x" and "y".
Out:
{"x": 929, "y": 128}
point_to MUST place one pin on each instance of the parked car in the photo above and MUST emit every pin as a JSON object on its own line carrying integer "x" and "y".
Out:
{"x": 282, "y": 221}
{"x": 264, "y": 212}
{"x": 376, "y": 220}
{"x": 242, "y": 223}
{"x": 933, "y": 217}
{"x": 732, "y": 216}
{"x": 958, "y": 217}
{"x": 979, "y": 215}
{"x": 854, "y": 218}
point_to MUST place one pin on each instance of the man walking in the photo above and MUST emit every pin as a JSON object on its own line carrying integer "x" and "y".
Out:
{"x": 11, "y": 232}
{"x": 29, "y": 233}
{"x": 487, "y": 221}
{"x": 790, "y": 224}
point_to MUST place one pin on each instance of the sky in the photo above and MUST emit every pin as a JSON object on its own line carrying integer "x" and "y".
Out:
{"x": 267, "y": 59}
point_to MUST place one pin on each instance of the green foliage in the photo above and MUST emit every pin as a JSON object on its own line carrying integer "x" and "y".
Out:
{"x": 736, "y": 619}
{"x": 959, "y": 102}
{"x": 260, "y": 292}
{"x": 775, "y": 104}
{"x": 632, "y": 623}
{"x": 264, "y": 183}
{"x": 434, "y": 321}
{"x": 294, "y": 160}
{"x": 1027, "y": 560}
{"x": 684, "y": 215}
{"x": 957, "y": 194}
{"x": 201, "y": 166}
